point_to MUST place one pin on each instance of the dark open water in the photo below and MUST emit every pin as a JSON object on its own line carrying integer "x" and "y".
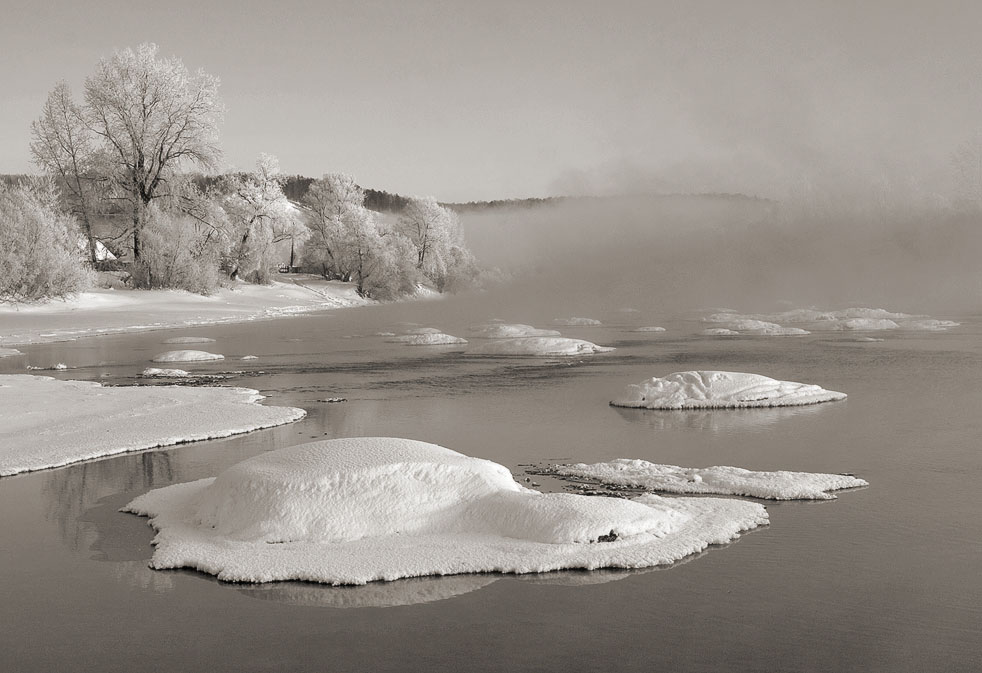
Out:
{"x": 887, "y": 578}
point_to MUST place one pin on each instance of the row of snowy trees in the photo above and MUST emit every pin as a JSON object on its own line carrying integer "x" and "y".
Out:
{"x": 125, "y": 150}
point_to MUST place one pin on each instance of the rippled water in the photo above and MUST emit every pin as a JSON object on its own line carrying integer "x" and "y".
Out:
{"x": 885, "y": 578}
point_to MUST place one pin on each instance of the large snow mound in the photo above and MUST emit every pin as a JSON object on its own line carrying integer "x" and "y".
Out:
{"x": 511, "y": 331}
{"x": 49, "y": 423}
{"x": 720, "y": 390}
{"x": 540, "y": 346}
{"x": 719, "y": 480}
{"x": 427, "y": 339}
{"x": 187, "y": 356}
{"x": 350, "y": 511}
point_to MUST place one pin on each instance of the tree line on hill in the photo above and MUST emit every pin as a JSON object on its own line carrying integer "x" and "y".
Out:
{"x": 140, "y": 148}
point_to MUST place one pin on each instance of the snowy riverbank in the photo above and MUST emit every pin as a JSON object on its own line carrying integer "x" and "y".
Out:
{"x": 98, "y": 312}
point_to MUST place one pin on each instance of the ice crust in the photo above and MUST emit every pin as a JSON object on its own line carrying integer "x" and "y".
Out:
{"x": 718, "y": 480}
{"x": 720, "y": 390}
{"x": 539, "y": 346}
{"x": 93, "y": 421}
{"x": 351, "y": 511}
{"x": 511, "y": 331}
{"x": 187, "y": 356}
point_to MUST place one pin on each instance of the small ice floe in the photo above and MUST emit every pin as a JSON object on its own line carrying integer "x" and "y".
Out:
{"x": 334, "y": 400}
{"x": 539, "y": 346}
{"x": 865, "y": 324}
{"x": 719, "y": 480}
{"x": 719, "y": 331}
{"x": 578, "y": 322}
{"x": 61, "y": 366}
{"x": 760, "y": 327}
{"x": 648, "y": 329}
{"x": 357, "y": 510}
{"x": 187, "y": 356}
{"x": 189, "y": 340}
{"x": 385, "y": 334}
{"x": 427, "y": 339}
{"x": 9, "y": 352}
{"x": 720, "y": 390}
{"x": 424, "y": 330}
{"x": 497, "y": 330}
{"x": 249, "y": 357}
{"x": 158, "y": 373}
{"x": 864, "y": 339}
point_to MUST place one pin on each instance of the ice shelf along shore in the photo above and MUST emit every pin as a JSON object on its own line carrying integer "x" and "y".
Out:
{"x": 720, "y": 390}
{"x": 49, "y": 423}
{"x": 718, "y": 480}
{"x": 352, "y": 511}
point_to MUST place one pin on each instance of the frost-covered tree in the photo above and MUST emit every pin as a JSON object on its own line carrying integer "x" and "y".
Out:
{"x": 438, "y": 239}
{"x": 335, "y": 203}
{"x": 152, "y": 117}
{"x": 259, "y": 215}
{"x": 180, "y": 251}
{"x": 63, "y": 146}
{"x": 40, "y": 256}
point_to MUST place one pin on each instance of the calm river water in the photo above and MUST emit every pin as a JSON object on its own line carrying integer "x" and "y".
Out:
{"x": 887, "y": 578}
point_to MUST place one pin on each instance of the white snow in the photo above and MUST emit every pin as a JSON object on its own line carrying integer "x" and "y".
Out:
{"x": 351, "y": 511}
{"x": 577, "y": 322}
{"x": 864, "y": 324}
{"x": 498, "y": 330}
{"x": 719, "y": 331}
{"x": 539, "y": 346}
{"x": 720, "y": 390}
{"x": 9, "y": 352}
{"x": 49, "y": 423}
{"x": 755, "y": 327}
{"x": 249, "y": 357}
{"x": 156, "y": 372}
{"x": 719, "y": 480}
{"x": 187, "y": 356}
{"x": 427, "y": 339}
{"x": 648, "y": 329}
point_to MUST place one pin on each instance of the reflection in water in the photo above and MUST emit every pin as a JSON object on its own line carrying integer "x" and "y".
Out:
{"x": 721, "y": 421}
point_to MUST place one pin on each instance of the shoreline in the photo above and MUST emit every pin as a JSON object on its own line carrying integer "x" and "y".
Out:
{"x": 102, "y": 312}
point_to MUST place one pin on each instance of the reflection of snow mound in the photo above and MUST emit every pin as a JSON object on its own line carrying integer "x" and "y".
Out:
{"x": 510, "y": 331}
{"x": 720, "y": 390}
{"x": 427, "y": 339}
{"x": 720, "y": 480}
{"x": 189, "y": 340}
{"x": 187, "y": 356}
{"x": 649, "y": 329}
{"x": 577, "y": 322}
{"x": 155, "y": 372}
{"x": 540, "y": 346}
{"x": 350, "y": 511}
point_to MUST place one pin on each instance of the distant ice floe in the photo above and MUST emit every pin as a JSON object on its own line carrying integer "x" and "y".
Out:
{"x": 187, "y": 356}
{"x": 249, "y": 357}
{"x": 82, "y": 420}
{"x": 578, "y": 322}
{"x": 357, "y": 510}
{"x": 648, "y": 329}
{"x": 719, "y": 480}
{"x": 437, "y": 338}
{"x": 864, "y": 319}
{"x": 497, "y": 330}
{"x": 189, "y": 340}
{"x": 59, "y": 367}
{"x": 719, "y": 331}
{"x": 9, "y": 352}
{"x": 158, "y": 373}
{"x": 424, "y": 330}
{"x": 720, "y": 390}
{"x": 745, "y": 325}
{"x": 539, "y": 346}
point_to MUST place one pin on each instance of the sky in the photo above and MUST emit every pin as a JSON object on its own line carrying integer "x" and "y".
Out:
{"x": 472, "y": 101}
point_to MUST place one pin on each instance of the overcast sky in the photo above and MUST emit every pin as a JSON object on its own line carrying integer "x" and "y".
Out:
{"x": 466, "y": 100}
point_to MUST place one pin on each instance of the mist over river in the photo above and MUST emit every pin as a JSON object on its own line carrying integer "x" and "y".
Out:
{"x": 883, "y": 578}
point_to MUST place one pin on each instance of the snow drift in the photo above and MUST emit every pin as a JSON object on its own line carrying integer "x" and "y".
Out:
{"x": 350, "y": 511}
{"x": 720, "y": 390}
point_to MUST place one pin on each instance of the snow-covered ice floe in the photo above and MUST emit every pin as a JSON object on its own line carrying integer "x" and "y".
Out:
{"x": 157, "y": 372}
{"x": 743, "y": 325}
{"x": 49, "y": 423}
{"x": 427, "y": 339}
{"x": 648, "y": 329}
{"x": 189, "y": 340}
{"x": 351, "y": 511}
{"x": 719, "y": 331}
{"x": 720, "y": 390}
{"x": 187, "y": 356}
{"x": 862, "y": 319}
{"x": 719, "y": 480}
{"x": 511, "y": 331}
{"x": 577, "y": 322}
{"x": 539, "y": 346}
